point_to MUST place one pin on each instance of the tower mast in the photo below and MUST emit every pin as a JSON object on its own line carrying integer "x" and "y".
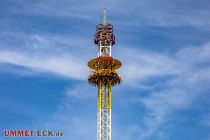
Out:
{"x": 104, "y": 76}
{"x": 104, "y": 16}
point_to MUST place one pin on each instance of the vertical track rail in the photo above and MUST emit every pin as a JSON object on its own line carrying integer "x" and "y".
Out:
{"x": 104, "y": 110}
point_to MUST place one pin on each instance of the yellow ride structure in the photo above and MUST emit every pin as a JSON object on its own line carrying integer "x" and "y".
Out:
{"x": 104, "y": 76}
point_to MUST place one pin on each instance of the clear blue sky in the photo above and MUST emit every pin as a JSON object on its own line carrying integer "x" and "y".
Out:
{"x": 164, "y": 47}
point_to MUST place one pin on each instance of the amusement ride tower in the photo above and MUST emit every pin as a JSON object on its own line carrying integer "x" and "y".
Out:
{"x": 104, "y": 76}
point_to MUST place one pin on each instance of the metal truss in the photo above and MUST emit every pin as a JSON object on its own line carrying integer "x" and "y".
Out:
{"x": 104, "y": 110}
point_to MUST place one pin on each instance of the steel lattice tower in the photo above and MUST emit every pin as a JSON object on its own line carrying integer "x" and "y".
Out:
{"x": 104, "y": 76}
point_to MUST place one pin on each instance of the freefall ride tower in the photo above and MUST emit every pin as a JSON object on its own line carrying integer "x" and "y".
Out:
{"x": 104, "y": 76}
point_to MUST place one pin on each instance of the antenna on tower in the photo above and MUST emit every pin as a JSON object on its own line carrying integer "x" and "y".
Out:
{"x": 104, "y": 16}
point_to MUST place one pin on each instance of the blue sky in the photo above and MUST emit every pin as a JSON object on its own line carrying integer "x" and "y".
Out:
{"x": 164, "y": 47}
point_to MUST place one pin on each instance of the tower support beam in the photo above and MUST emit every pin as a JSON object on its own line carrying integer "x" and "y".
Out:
{"x": 104, "y": 110}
